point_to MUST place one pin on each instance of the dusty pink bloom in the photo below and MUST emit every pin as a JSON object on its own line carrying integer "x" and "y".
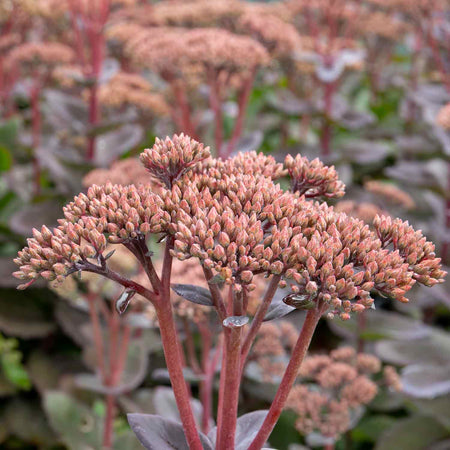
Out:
{"x": 343, "y": 354}
{"x": 392, "y": 378}
{"x": 359, "y": 392}
{"x": 443, "y": 117}
{"x": 274, "y": 344}
{"x": 125, "y": 171}
{"x": 239, "y": 224}
{"x": 332, "y": 386}
{"x": 279, "y": 37}
{"x": 364, "y": 210}
{"x": 317, "y": 412}
{"x": 33, "y": 54}
{"x": 168, "y": 160}
{"x": 336, "y": 374}
{"x": 366, "y": 363}
{"x": 195, "y": 13}
{"x": 132, "y": 89}
{"x": 390, "y": 193}
{"x": 411, "y": 246}
{"x": 313, "y": 178}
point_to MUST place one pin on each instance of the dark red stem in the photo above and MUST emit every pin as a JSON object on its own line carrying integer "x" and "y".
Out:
{"x": 299, "y": 352}
{"x": 242, "y": 107}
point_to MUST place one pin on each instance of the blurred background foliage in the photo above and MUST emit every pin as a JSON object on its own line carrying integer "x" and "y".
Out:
{"x": 386, "y": 67}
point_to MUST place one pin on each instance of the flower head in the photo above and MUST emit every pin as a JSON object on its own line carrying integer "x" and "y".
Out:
{"x": 169, "y": 159}
{"x": 313, "y": 178}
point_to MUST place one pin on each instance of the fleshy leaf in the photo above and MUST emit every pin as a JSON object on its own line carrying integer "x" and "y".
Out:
{"x": 195, "y": 294}
{"x": 156, "y": 433}
{"x": 426, "y": 381}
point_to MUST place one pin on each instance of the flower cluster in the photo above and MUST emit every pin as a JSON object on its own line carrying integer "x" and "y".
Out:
{"x": 177, "y": 51}
{"x": 36, "y": 53}
{"x": 125, "y": 171}
{"x": 239, "y": 224}
{"x": 273, "y": 346}
{"x": 443, "y": 117}
{"x": 170, "y": 159}
{"x": 332, "y": 387}
{"x": 194, "y": 13}
{"x": 131, "y": 89}
{"x": 313, "y": 178}
{"x": 361, "y": 210}
{"x": 391, "y": 193}
{"x": 278, "y": 36}
{"x": 412, "y": 247}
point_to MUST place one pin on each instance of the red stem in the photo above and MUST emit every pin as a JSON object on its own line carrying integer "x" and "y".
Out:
{"x": 216, "y": 105}
{"x": 36, "y": 122}
{"x": 98, "y": 337}
{"x": 109, "y": 422}
{"x": 173, "y": 355}
{"x": 258, "y": 318}
{"x": 232, "y": 383}
{"x": 207, "y": 385}
{"x": 243, "y": 102}
{"x": 326, "y": 128}
{"x": 186, "y": 123}
{"x": 299, "y": 352}
{"x": 113, "y": 326}
{"x": 174, "y": 366}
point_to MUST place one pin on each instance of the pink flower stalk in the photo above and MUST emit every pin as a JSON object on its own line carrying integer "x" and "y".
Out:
{"x": 238, "y": 224}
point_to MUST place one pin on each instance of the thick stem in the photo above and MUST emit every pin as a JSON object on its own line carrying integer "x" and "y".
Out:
{"x": 242, "y": 107}
{"x": 36, "y": 136}
{"x": 109, "y": 422}
{"x": 113, "y": 326}
{"x": 232, "y": 383}
{"x": 185, "y": 123}
{"x": 98, "y": 337}
{"x": 362, "y": 323}
{"x": 326, "y": 128}
{"x": 258, "y": 318}
{"x": 207, "y": 384}
{"x": 215, "y": 294}
{"x": 299, "y": 352}
{"x": 172, "y": 353}
{"x": 174, "y": 366}
{"x": 216, "y": 105}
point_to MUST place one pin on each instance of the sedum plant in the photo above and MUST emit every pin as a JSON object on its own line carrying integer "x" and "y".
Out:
{"x": 236, "y": 222}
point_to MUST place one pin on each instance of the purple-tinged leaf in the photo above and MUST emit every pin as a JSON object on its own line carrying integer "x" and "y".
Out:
{"x": 195, "y": 294}
{"x": 157, "y": 433}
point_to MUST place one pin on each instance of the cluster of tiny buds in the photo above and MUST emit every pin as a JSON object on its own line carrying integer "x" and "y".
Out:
{"x": 313, "y": 178}
{"x": 32, "y": 53}
{"x": 390, "y": 193}
{"x": 233, "y": 218}
{"x": 413, "y": 247}
{"x": 124, "y": 171}
{"x": 443, "y": 117}
{"x": 364, "y": 211}
{"x": 131, "y": 89}
{"x": 332, "y": 386}
{"x": 169, "y": 159}
{"x": 273, "y": 347}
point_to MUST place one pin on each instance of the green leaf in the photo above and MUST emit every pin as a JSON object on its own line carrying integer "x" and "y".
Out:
{"x": 5, "y": 159}
{"x": 8, "y": 133}
{"x": 78, "y": 427}
{"x": 438, "y": 408}
{"x": 413, "y": 433}
{"x": 372, "y": 427}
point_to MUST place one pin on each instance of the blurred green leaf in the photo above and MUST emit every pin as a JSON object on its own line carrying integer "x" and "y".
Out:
{"x": 413, "y": 433}
{"x": 5, "y": 159}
